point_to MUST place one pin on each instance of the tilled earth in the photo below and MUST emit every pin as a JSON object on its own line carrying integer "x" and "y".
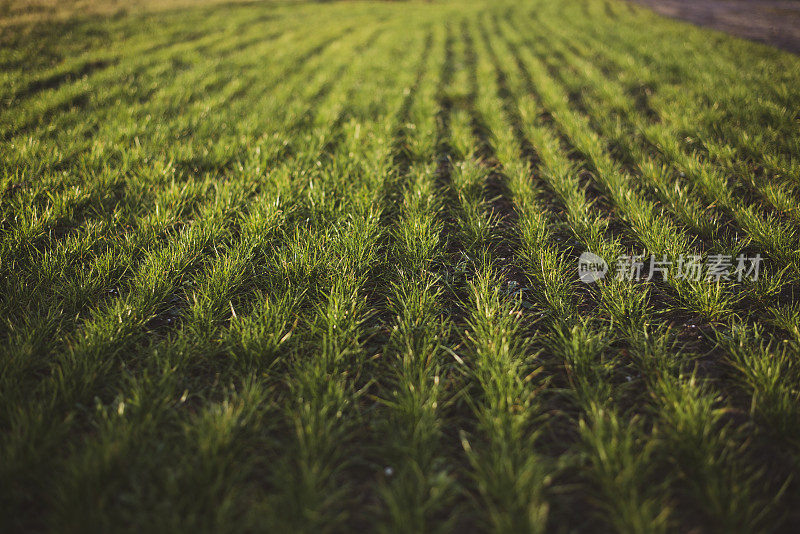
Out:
{"x": 776, "y": 23}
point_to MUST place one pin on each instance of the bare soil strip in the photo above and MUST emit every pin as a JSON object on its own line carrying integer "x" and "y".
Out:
{"x": 776, "y": 23}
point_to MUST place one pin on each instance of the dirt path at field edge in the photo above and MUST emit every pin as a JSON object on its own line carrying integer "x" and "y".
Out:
{"x": 774, "y": 22}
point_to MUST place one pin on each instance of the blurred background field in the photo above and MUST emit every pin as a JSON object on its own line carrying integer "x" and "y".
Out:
{"x": 15, "y": 12}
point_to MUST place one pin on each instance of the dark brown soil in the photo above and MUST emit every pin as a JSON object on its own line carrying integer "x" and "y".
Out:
{"x": 774, "y": 22}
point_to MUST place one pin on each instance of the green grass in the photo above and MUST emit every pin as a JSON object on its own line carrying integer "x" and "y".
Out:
{"x": 302, "y": 267}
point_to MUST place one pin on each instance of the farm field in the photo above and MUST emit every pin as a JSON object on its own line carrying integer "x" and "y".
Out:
{"x": 319, "y": 267}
